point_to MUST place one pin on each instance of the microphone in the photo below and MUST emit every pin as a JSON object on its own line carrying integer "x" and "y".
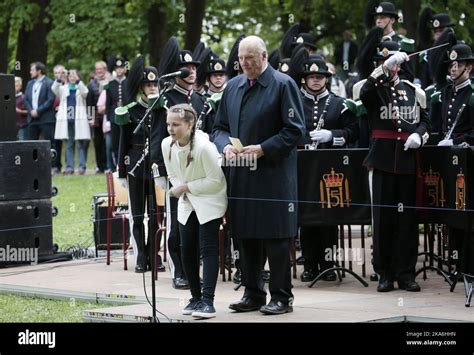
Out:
{"x": 183, "y": 73}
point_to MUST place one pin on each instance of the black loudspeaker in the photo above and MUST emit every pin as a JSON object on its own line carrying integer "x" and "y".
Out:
{"x": 100, "y": 226}
{"x": 26, "y": 224}
{"x": 25, "y": 170}
{"x": 7, "y": 108}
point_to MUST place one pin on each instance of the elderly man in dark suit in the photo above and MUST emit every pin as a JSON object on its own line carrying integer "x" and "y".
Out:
{"x": 263, "y": 109}
{"x": 39, "y": 102}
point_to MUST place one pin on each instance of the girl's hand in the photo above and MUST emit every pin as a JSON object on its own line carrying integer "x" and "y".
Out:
{"x": 177, "y": 191}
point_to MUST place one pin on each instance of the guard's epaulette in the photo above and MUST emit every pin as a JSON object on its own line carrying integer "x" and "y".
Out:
{"x": 131, "y": 104}
{"x": 471, "y": 101}
{"x": 121, "y": 114}
{"x": 419, "y": 93}
{"x": 351, "y": 105}
{"x": 356, "y": 89}
{"x": 436, "y": 96}
{"x": 361, "y": 110}
{"x": 429, "y": 91}
{"x": 214, "y": 100}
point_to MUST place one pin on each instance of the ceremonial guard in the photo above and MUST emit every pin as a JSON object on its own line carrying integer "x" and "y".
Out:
{"x": 431, "y": 26}
{"x": 329, "y": 124}
{"x": 386, "y": 16}
{"x": 453, "y": 106}
{"x": 181, "y": 91}
{"x": 116, "y": 97}
{"x": 211, "y": 75}
{"x": 399, "y": 125}
{"x": 142, "y": 82}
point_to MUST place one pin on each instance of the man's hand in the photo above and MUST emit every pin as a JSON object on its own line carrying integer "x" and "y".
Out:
{"x": 445, "y": 143}
{"x": 177, "y": 191}
{"x": 321, "y": 136}
{"x": 413, "y": 141}
{"x": 34, "y": 113}
{"x": 230, "y": 152}
{"x": 252, "y": 150}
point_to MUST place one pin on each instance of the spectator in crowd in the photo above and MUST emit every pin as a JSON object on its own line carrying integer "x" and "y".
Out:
{"x": 72, "y": 123}
{"x": 39, "y": 101}
{"x": 21, "y": 112}
{"x": 345, "y": 54}
{"x": 95, "y": 87}
{"x": 336, "y": 84}
{"x": 60, "y": 73}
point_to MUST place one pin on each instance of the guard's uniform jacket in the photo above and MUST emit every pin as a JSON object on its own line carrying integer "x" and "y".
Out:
{"x": 338, "y": 118}
{"x": 131, "y": 149}
{"x": 116, "y": 96}
{"x": 174, "y": 96}
{"x": 394, "y": 111}
{"x": 454, "y": 103}
{"x": 131, "y": 145}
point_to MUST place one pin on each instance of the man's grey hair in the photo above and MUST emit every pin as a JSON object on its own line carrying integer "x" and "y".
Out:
{"x": 256, "y": 42}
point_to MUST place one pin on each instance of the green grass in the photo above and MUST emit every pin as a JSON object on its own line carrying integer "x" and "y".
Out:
{"x": 20, "y": 309}
{"x": 73, "y": 225}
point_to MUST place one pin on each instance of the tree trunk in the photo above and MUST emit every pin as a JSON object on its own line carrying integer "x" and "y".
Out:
{"x": 157, "y": 31}
{"x": 32, "y": 45}
{"x": 5, "y": 32}
{"x": 411, "y": 10}
{"x": 195, "y": 10}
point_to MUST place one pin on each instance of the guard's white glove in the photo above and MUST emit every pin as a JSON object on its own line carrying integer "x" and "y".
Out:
{"x": 123, "y": 182}
{"x": 322, "y": 136}
{"x": 160, "y": 182}
{"x": 445, "y": 143}
{"x": 397, "y": 58}
{"x": 413, "y": 141}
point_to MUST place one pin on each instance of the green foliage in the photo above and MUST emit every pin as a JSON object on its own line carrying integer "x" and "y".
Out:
{"x": 84, "y": 31}
{"x": 73, "y": 225}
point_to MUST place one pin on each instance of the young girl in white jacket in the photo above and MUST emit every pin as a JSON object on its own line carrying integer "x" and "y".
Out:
{"x": 193, "y": 166}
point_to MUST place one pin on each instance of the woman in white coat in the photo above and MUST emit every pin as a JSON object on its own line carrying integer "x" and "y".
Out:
{"x": 71, "y": 119}
{"x": 193, "y": 166}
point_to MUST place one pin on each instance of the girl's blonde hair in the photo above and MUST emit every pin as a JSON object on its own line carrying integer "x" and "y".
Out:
{"x": 188, "y": 114}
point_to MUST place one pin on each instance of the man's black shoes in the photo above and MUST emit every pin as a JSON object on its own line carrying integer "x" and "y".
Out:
{"x": 247, "y": 304}
{"x": 385, "y": 285}
{"x": 276, "y": 307}
{"x": 410, "y": 286}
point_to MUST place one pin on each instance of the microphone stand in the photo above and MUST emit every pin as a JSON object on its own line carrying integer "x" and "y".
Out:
{"x": 151, "y": 191}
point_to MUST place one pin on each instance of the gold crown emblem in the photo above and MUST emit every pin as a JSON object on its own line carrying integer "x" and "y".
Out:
{"x": 188, "y": 58}
{"x": 385, "y": 52}
{"x": 460, "y": 180}
{"x": 300, "y": 40}
{"x": 379, "y": 9}
{"x": 436, "y": 23}
{"x": 314, "y": 67}
{"x": 284, "y": 67}
{"x": 151, "y": 76}
{"x": 432, "y": 178}
{"x": 453, "y": 55}
{"x": 218, "y": 66}
{"x": 333, "y": 179}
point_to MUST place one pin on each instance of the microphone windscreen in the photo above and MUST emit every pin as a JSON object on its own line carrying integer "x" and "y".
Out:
{"x": 184, "y": 73}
